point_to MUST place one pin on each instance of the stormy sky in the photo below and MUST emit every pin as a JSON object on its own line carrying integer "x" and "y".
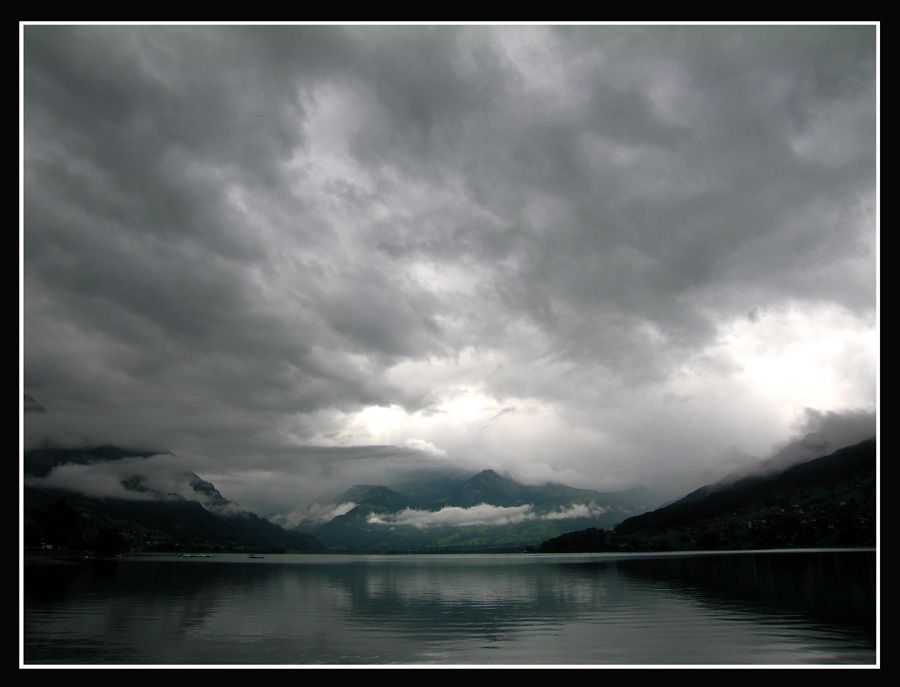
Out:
{"x": 302, "y": 257}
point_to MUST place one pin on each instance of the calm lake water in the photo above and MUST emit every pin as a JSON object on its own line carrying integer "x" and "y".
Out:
{"x": 773, "y": 608}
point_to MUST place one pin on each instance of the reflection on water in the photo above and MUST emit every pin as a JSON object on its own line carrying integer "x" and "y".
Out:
{"x": 776, "y": 608}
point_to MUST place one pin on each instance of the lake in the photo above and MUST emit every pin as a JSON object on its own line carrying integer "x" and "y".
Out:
{"x": 763, "y": 608}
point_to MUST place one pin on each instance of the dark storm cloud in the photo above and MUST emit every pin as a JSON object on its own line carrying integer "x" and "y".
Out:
{"x": 239, "y": 238}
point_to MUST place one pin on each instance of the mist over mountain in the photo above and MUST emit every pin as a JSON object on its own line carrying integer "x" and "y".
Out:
{"x": 822, "y": 433}
{"x": 150, "y": 499}
{"x": 487, "y": 511}
{"x": 110, "y": 499}
{"x": 39, "y": 462}
{"x": 824, "y": 502}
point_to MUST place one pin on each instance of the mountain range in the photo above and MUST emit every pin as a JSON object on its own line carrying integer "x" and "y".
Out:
{"x": 828, "y": 501}
{"x": 487, "y": 511}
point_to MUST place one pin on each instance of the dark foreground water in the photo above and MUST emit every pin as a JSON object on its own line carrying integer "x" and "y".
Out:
{"x": 774, "y": 608}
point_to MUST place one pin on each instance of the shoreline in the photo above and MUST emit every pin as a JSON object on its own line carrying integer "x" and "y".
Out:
{"x": 40, "y": 557}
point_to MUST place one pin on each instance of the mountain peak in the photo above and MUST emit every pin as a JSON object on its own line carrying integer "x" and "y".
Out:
{"x": 493, "y": 480}
{"x": 375, "y": 496}
{"x": 488, "y": 487}
{"x": 485, "y": 475}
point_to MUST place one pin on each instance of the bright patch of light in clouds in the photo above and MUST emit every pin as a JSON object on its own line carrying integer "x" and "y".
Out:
{"x": 812, "y": 358}
{"x": 382, "y": 424}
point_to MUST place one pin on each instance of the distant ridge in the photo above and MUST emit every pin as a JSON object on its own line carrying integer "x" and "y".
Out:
{"x": 506, "y": 515}
{"x": 714, "y": 500}
{"x": 829, "y": 501}
{"x": 140, "y": 518}
{"x": 376, "y": 497}
{"x": 488, "y": 487}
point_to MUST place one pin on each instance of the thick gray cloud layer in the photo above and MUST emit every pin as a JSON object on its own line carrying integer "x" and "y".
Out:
{"x": 599, "y": 254}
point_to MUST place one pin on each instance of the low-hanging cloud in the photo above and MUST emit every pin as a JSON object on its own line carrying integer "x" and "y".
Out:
{"x": 314, "y": 514}
{"x": 135, "y": 479}
{"x": 820, "y": 433}
{"x": 483, "y": 514}
{"x": 480, "y": 515}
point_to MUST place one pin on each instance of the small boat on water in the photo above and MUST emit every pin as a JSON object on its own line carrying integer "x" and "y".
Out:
{"x": 196, "y": 555}
{"x": 255, "y": 555}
